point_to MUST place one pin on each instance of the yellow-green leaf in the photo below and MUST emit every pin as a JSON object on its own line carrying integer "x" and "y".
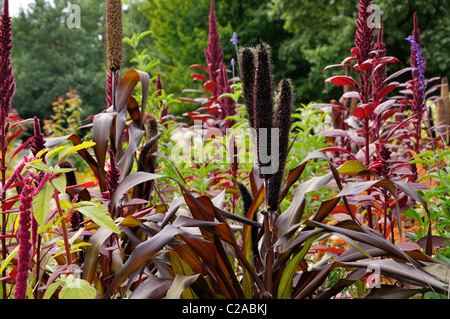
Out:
{"x": 76, "y": 288}
{"x": 99, "y": 215}
{"x": 41, "y": 204}
{"x": 351, "y": 168}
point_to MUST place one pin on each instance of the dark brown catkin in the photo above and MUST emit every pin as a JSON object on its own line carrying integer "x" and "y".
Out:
{"x": 263, "y": 107}
{"x": 283, "y": 123}
{"x": 247, "y": 68}
{"x": 114, "y": 34}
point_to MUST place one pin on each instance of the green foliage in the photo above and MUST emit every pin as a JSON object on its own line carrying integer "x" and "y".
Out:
{"x": 66, "y": 117}
{"x": 48, "y": 56}
{"x": 325, "y": 30}
{"x": 180, "y": 35}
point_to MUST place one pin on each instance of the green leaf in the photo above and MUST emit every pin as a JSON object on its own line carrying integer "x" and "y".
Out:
{"x": 41, "y": 204}
{"x": 39, "y": 165}
{"x": 51, "y": 289}
{"x": 60, "y": 184}
{"x": 8, "y": 259}
{"x": 285, "y": 287}
{"x": 99, "y": 215}
{"x": 351, "y": 168}
{"x": 76, "y": 288}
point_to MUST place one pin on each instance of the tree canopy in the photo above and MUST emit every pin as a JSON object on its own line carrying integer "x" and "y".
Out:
{"x": 305, "y": 36}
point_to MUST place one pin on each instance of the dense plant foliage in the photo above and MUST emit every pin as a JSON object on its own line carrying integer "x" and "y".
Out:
{"x": 246, "y": 195}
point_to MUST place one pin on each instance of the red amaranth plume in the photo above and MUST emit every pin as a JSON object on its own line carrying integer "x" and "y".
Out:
{"x": 214, "y": 51}
{"x": 38, "y": 141}
{"x": 364, "y": 34}
{"x": 226, "y": 103}
{"x": 380, "y": 73}
{"x": 113, "y": 174}
{"x": 7, "y": 85}
{"x": 364, "y": 44}
{"x": 24, "y": 235}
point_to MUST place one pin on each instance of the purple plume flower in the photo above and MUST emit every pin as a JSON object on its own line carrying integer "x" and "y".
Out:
{"x": 24, "y": 235}
{"x": 419, "y": 98}
{"x": 419, "y": 69}
{"x": 7, "y": 85}
{"x": 234, "y": 39}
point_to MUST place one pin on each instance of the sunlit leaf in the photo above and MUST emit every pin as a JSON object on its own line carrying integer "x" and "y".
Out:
{"x": 41, "y": 204}
{"x": 99, "y": 215}
{"x": 76, "y": 288}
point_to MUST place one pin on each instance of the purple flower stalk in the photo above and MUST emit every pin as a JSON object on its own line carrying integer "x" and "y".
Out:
{"x": 234, "y": 40}
{"x": 24, "y": 235}
{"x": 233, "y": 63}
{"x": 420, "y": 85}
{"x": 419, "y": 66}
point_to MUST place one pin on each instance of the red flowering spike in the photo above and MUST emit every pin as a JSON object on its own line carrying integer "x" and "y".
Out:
{"x": 24, "y": 235}
{"x": 380, "y": 72}
{"x": 214, "y": 51}
{"x": 7, "y": 85}
{"x": 38, "y": 141}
